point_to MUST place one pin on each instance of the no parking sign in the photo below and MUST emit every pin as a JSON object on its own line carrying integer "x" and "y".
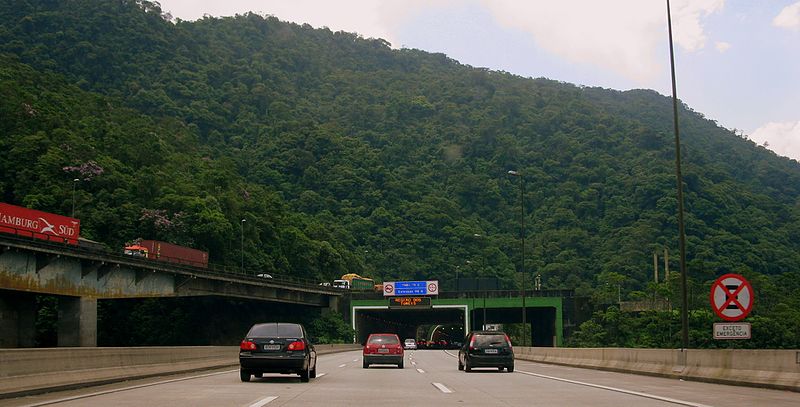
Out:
{"x": 731, "y": 297}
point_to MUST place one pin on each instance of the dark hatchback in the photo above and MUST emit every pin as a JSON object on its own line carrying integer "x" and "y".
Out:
{"x": 277, "y": 347}
{"x": 486, "y": 349}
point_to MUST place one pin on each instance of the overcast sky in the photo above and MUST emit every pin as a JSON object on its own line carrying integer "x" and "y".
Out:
{"x": 737, "y": 61}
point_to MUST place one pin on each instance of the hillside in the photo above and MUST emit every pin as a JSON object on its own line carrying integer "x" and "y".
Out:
{"x": 347, "y": 156}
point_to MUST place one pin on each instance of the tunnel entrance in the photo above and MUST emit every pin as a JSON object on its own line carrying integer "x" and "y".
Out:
{"x": 442, "y": 322}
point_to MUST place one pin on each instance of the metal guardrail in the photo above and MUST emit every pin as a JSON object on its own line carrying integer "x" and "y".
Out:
{"x": 212, "y": 271}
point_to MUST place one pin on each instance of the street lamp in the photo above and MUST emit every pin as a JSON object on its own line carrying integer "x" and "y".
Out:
{"x": 679, "y": 178}
{"x": 74, "y": 184}
{"x": 243, "y": 221}
{"x": 522, "y": 238}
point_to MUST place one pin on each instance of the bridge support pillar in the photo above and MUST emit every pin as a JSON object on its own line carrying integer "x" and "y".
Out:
{"x": 77, "y": 321}
{"x": 17, "y": 319}
{"x": 333, "y": 305}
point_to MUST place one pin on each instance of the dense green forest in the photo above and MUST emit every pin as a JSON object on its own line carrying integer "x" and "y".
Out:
{"x": 345, "y": 155}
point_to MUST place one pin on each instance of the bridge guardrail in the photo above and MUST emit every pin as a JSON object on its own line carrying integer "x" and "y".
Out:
{"x": 213, "y": 270}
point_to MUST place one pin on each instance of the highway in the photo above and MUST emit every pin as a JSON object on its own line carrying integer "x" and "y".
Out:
{"x": 430, "y": 378}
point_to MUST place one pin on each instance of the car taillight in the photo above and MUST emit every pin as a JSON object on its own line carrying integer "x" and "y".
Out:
{"x": 247, "y": 345}
{"x": 472, "y": 343}
{"x": 508, "y": 341}
{"x": 296, "y": 345}
{"x": 399, "y": 349}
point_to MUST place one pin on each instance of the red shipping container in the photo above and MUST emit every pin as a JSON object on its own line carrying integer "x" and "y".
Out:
{"x": 41, "y": 225}
{"x": 173, "y": 253}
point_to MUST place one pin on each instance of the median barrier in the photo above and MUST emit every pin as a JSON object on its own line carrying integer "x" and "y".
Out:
{"x": 778, "y": 368}
{"x": 38, "y": 370}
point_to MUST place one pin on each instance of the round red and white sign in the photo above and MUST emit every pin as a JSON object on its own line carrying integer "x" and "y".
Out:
{"x": 732, "y": 297}
{"x": 388, "y": 288}
{"x": 432, "y": 288}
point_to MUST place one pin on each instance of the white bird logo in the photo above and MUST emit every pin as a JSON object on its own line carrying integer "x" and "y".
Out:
{"x": 49, "y": 228}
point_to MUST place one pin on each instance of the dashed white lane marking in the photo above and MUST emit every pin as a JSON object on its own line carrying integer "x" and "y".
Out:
{"x": 263, "y": 402}
{"x": 420, "y": 370}
{"x": 631, "y": 392}
{"x": 343, "y": 365}
{"x": 355, "y": 360}
{"x": 442, "y": 388}
{"x": 414, "y": 363}
{"x": 321, "y": 374}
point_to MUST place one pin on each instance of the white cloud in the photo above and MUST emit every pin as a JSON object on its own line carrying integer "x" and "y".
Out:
{"x": 783, "y": 138}
{"x": 371, "y": 19}
{"x": 627, "y": 37}
{"x": 624, "y": 36}
{"x": 789, "y": 17}
{"x": 722, "y": 46}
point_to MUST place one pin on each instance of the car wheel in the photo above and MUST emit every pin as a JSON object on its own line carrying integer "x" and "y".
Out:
{"x": 365, "y": 365}
{"x": 400, "y": 365}
{"x": 467, "y": 367}
{"x": 244, "y": 375}
{"x": 510, "y": 369}
{"x": 460, "y": 365}
{"x": 305, "y": 376}
{"x": 313, "y": 373}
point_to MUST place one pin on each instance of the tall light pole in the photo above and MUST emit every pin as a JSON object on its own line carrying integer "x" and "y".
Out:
{"x": 679, "y": 177}
{"x": 242, "y": 246}
{"x": 522, "y": 251}
{"x": 74, "y": 184}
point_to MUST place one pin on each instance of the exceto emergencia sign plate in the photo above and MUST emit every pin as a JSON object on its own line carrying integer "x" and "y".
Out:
{"x": 733, "y": 330}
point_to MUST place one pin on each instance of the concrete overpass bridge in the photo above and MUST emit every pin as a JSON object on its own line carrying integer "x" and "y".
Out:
{"x": 80, "y": 277}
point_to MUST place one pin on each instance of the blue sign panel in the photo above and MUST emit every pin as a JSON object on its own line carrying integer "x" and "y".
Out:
{"x": 411, "y": 288}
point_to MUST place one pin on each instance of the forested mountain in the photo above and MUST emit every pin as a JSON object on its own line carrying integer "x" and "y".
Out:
{"x": 345, "y": 155}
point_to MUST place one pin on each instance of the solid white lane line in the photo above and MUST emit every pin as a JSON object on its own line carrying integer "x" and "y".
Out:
{"x": 420, "y": 370}
{"x": 263, "y": 402}
{"x": 442, "y": 388}
{"x": 343, "y": 365}
{"x": 618, "y": 390}
{"x": 100, "y": 393}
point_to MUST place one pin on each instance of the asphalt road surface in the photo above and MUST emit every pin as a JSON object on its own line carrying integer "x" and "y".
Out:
{"x": 430, "y": 378}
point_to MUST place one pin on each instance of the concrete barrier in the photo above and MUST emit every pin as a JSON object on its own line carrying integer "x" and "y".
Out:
{"x": 778, "y": 369}
{"x": 29, "y": 371}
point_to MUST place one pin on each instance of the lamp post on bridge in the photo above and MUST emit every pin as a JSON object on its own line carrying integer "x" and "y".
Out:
{"x": 74, "y": 185}
{"x": 242, "y": 245}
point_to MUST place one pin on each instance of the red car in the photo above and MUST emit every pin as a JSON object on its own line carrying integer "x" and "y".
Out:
{"x": 383, "y": 349}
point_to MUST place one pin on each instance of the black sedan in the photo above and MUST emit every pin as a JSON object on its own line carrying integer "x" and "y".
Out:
{"x": 277, "y": 347}
{"x": 486, "y": 349}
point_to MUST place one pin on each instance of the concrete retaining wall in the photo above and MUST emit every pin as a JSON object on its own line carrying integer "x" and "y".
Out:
{"x": 26, "y": 371}
{"x": 779, "y": 369}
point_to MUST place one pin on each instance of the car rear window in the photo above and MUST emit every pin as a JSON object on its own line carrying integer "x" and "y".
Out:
{"x": 276, "y": 331}
{"x": 384, "y": 339}
{"x": 490, "y": 340}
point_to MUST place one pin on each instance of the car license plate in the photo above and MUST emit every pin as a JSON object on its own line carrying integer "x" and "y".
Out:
{"x": 490, "y": 351}
{"x": 272, "y": 347}
{"x": 383, "y": 350}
